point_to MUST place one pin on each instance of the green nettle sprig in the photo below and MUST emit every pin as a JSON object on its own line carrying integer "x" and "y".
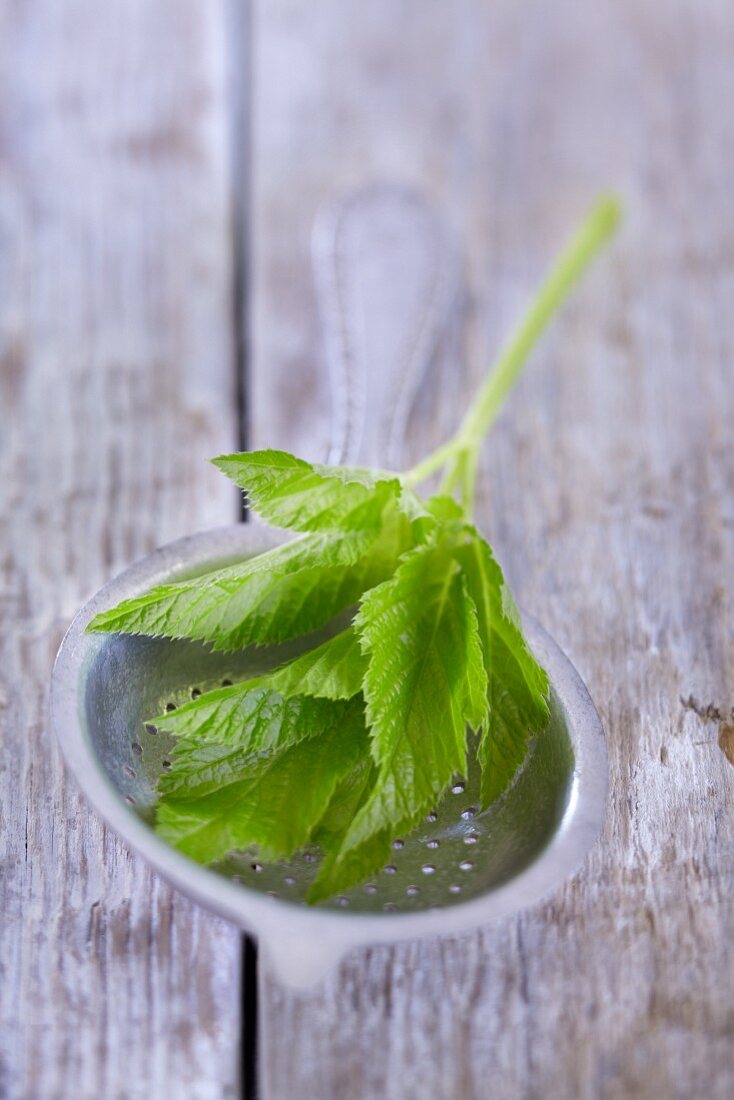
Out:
{"x": 348, "y": 745}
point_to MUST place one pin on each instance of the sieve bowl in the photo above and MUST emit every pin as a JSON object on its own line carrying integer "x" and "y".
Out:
{"x": 460, "y": 868}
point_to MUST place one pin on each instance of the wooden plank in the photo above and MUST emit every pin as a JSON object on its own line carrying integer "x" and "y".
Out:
{"x": 607, "y": 490}
{"x": 116, "y": 384}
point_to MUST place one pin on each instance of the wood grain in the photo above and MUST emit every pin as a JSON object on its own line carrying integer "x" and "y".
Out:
{"x": 116, "y": 384}
{"x": 607, "y": 489}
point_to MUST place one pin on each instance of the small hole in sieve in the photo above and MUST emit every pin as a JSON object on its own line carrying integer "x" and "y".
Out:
{"x": 432, "y": 816}
{"x": 170, "y": 707}
{"x": 466, "y": 865}
{"x": 130, "y": 771}
{"x": 195, "y": 693}
{"x": 458, "y": 788}
{"x": 428, "y": 869}
{"x": 471, "y": 838}
{"x": 412, "y": 891}
{"x": 149, "y": 728}
{"x": 137, "y": 748}
{"x": 468, "y": 813}
{"x": 433, "y": 843}
{"x": 226, "y": 683}
{"x": 398, "y": 844}
{"x": 390, "y": 869}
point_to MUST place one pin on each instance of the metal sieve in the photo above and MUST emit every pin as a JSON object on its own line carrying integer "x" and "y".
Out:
{"x": 460, "y": 867}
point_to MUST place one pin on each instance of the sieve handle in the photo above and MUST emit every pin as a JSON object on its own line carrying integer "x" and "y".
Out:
{"x": 386, "y": 277}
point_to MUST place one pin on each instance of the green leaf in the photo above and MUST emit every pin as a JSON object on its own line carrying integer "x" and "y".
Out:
{"x": 348, "y": 796}
{"x": 334, "y": 670}
{"x": 517, "y": 685}
{"x": 219, "y": 798}
{"x": 252, "y": 716}
{"x": 409, "y": 503}
{"x": 289, "y": 492}
{"x": 443, "y": 508}
{"x": 276, "y": 704}
{"x": 340, "y": 870}
{"x": 286, "y": 592}
{"x": 419, "y": 630}
{"x": 369, "y": 476}
{"x": 477, "y": 677}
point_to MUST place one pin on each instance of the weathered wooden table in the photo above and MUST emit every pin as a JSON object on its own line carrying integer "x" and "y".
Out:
{"x": 160, "y": 168}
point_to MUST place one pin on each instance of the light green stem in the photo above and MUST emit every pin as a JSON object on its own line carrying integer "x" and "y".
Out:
{"x": 433, "y": 462}
{"x": 469, "y": 480}
{"x": 596, "y": 229}
{"x": 450, "y": 478}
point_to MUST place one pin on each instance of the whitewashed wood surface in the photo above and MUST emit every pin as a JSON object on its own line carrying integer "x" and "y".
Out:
{"x": 608, "y": 490}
